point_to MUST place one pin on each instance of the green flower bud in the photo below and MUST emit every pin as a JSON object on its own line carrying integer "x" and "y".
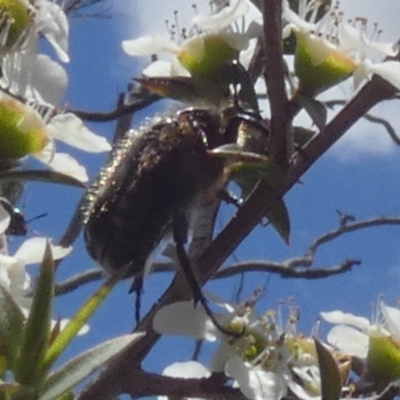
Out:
{"x": 16, "y": 19}
{"x": 319, "y": 65}
{"x": 22, "y": 130}
{"x": 206, "y": 56}
{"x": 383, "y": 360}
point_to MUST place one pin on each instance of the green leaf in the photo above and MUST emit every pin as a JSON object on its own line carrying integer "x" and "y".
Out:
{"x": 279, "y": 218}
{"x": 41, "y": 176}
{"x": 302, "y": 135}
{"x": 79, "y": 368}
{"x": 11, "y": 326}
{"x": 331, "y": 387}
{"x": 16, "y": 391}
{"x": 36, "y": 333}
{"x": 75, "y": 324}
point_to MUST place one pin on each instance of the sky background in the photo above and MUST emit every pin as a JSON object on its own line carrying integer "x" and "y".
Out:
{"x": 359, "y": 175}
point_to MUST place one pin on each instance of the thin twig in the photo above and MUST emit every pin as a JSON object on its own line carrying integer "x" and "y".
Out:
{"x": 119, "y": 111}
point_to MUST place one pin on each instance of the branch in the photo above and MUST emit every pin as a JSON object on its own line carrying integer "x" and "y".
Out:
{"x": 121, "y": 110}
{"x": 371, "y": 118}
{"x": 73, "y": 283}
{"x": 285, "y": 270}
{"x": 147, "y": 384}
{"x": 274, "y": 74}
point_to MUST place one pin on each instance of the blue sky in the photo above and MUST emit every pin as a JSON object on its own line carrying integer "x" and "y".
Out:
{"x": 358, "y": 176}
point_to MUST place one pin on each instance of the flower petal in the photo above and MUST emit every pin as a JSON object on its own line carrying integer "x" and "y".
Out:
{"x": 392, "y": 319}
{"x": 339, "y": 317}
{"x": 188, "y": 369}
{"x": 158, "y": 68}
{"x": 48, "y": 80}
{"x": 349, "y": 340}
{"x": 66, "y": 164}
{"x": 32, "y": 251}
{"x": 53, "y": 24}
{"x": 388, "y": 70}
{"x": 185, "y": 319}
{"x": 256, "y": 383}
{"x": 70, "y": 129}
{"x": 148, "y": 45}
{"x": 218, "y": 21}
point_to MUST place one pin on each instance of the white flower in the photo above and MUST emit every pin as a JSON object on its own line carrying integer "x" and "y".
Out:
{"x": 352, "y": 334}
{"x": 346, "y": 44}
{"x": 14, "y": 277}
{"x": 259, "y": 360}
{"x": 202, "y": 27}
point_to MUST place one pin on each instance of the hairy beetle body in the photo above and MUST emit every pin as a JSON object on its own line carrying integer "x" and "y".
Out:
{"x": 151, "y": 176}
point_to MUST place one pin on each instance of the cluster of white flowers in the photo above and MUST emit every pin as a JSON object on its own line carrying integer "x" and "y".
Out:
{"x": 40, "y": 82}
{"x": 266, "y": 360}
{"x": 329, "y": 50}
{"x": 14, "y": 277}
{"x": 271, "y": 360}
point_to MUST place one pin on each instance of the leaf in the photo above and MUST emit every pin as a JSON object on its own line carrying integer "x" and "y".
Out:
{"x": 11, "y": 326}
{"x": 41, "y": 176}
{"x": 302, "y": 135}
{"x": 316, "y": 110}
{"x": 76, "y": 323}
{"x": 279, "y": 218}
{"x": 16, "y": 391}
{"x": 331, "y": 387}
{"x": 82, "y": 366}
{"x": 36, "y": 333}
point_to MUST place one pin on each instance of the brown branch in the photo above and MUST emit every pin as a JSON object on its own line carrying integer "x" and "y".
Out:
{"x": 147, "y": 384}
{"x": 285, "y": 270}
{"x": 118, "y": 112}
{"x": 371, "y": 118}
{"x": 274, "y": 73}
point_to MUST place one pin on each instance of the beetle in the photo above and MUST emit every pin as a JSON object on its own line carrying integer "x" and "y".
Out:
{"x": 155, "y": 176}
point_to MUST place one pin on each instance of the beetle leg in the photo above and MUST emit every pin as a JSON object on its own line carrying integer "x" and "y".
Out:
{"x": 180, "y": 238}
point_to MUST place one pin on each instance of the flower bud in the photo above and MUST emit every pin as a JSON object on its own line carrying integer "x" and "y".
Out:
{"x": 22, "y": 130}
{"x": 319, "y": 65}
{"x": 16, "y": 19}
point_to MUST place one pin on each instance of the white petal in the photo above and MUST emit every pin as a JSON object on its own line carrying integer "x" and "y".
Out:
{"x": 349, "y": 340}
{"x": 53, "y": 24}
{"x": 64, "y": 163}
{"x": 32, "y": 251}
{"x": 70, "y": 129}
{"x": 185, "y": 319}
{"x": 217, "y": 22}
{"x": 220, "y": 358}
{"x": 392, "y": 319}
{"x": 256, "y": 383}
{"x": 187, "y": 369}
{"x": 339, "y": 317}
{"x": 158, "y": 68}
{"x": 48, "y": 78}
{"x": 237, "y": 41}
{"x": 148, "y": 45}
{"x": 388, "y": 70}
